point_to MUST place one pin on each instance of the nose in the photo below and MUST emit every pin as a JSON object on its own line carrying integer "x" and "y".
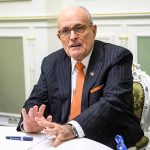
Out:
{"x": 73, "y": 35}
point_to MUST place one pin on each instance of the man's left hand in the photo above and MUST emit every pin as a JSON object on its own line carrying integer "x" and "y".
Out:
{"x": 62, "y": 132}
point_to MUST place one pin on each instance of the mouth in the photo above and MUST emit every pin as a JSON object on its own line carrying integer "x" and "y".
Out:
{"x": 75, "y": 45}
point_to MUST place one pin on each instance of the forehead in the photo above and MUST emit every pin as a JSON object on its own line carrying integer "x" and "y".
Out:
{"x": 69, "y": 18}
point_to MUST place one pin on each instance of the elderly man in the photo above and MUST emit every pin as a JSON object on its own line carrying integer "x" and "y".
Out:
{"x": 85, "y": 88}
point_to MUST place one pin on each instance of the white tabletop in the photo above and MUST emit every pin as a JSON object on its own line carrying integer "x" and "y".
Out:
{"x": 42, "y": 141}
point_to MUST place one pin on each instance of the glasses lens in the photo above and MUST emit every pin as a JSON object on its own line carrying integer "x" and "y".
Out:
{"x": 64, "y": 32}
{"x": 79, "y": 29}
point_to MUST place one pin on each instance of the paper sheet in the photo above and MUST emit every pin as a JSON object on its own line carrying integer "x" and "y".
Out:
{"x": 6, "y": 144}
{"x": 42, "y": 141}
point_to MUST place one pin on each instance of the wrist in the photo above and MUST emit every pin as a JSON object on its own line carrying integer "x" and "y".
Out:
{"x": 21, "y": 127}
{"x": 73, "y": 130}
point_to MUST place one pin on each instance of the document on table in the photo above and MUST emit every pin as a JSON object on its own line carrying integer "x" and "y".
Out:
{"x": 38, "y": 139}
{"x": 42, "y": 141}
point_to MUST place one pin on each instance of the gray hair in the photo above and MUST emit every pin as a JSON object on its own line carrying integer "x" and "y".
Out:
{"x": 90, "y": 19}
{"x": 89, "y": 15}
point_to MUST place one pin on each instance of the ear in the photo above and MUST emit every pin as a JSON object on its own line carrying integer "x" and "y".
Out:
{"x": 58, "y": 36}
{"x": 94, "y": 30}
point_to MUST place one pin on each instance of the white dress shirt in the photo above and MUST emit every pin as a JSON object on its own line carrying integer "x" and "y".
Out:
{"x": 85, "y": 61}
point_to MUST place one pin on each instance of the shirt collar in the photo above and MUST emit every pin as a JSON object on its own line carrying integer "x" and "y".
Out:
{"x": 85, "y": 61}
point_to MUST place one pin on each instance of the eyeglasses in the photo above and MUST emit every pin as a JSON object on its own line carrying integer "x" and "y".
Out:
{"x": 78, "y": 29}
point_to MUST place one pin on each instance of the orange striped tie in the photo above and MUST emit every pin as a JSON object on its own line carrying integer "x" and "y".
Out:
{"x": 76, "y": 102}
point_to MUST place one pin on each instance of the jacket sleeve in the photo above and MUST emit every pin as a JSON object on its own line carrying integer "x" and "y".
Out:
{"x": 39, "y": 95}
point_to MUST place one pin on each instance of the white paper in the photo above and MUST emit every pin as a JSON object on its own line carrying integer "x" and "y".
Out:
{"x": 6, "y": 144}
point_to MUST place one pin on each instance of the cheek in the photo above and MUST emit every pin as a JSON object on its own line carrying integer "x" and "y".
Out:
{"x": 64, "y": 43}
{"x": 65, "y": 46}
{"x": 86, "y": 43}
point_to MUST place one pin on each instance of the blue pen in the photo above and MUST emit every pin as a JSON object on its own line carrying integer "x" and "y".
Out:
{"x": 120, "y": 143}
{"x": 20, "y": 138}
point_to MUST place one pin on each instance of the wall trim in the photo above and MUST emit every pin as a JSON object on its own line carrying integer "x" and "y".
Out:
{"x": 95, "y": 16}
{"x": 122, "y": 15}
{"x": 27, "y": 18}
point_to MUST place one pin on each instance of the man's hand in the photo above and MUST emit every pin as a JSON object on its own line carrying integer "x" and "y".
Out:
{"x": 62, "y": 132}
{"x": 29, "y": 123}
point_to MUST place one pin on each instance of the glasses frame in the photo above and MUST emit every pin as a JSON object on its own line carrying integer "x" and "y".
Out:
{"x": 73, "y": 28}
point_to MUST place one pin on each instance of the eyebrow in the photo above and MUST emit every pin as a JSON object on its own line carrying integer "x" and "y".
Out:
{"x": 73, "y": 26}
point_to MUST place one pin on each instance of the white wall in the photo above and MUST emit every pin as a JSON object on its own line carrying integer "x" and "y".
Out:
{"x": 52, "y": 7}
{"x": 111, "y": 6}
{"x": 23, "y": 8}
{"x": 30, "y": 8}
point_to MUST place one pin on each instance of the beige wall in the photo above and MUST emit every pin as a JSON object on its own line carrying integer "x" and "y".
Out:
{"x": 111, "y": 6}
{"x": 51, "y": 7}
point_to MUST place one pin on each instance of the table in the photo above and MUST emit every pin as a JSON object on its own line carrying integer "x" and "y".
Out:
{"x": 43, "y": 141}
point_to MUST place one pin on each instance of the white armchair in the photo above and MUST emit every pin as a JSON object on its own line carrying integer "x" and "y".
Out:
{"x": 141, "y": 95}
{"x": 144, "y": 79}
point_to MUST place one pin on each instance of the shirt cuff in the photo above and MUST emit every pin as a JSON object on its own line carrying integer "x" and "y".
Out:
{"x": 78, "y": 128}
{"x": 21, "y": 127}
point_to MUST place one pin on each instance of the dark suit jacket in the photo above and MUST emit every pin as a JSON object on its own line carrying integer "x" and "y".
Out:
{"x": 105, "y": 112}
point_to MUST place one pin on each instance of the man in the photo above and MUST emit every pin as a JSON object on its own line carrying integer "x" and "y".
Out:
{"x": 106, "y": 106}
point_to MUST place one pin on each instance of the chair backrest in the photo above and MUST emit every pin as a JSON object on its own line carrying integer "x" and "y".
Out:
{"x": 138, "y": 95}
{"x": 141, "y": 94}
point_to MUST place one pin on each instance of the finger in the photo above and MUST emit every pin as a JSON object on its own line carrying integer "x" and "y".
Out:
{"x": 53, "y": 130}
{"x": 35, "y": 111}
{"x": 24, "y": 113}
{"x": 50, "y": 131}
{"x": 30, "y": 113}
{"x": 46, "y": 123}
{"x": 40, "y": 119}
{"x": 49, "y": 118}
{"x": 42, "y": 109}
{"x": 35, "y": 108}
{"x": 57, "y": 141}
{"x": 43, "y": 122}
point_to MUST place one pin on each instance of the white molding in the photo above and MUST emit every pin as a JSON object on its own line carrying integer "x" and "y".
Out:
{"x": 9, "y": 114}
{"x": 138, "y": 24}
{"x": 9, "y": 119}
{"x": 28, "y": 18}
{"x": 122, "y": 15}
{"x": 95, "y": 16}
{"x": 26, "y": 26}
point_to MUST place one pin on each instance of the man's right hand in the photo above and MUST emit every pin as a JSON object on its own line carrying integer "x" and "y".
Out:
{"x": 29, "y": 123}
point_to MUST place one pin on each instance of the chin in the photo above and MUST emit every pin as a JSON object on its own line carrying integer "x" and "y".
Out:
{"x": 77, "y": 58}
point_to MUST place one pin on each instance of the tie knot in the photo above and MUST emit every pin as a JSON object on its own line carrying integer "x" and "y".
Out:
{"x": 79, "y": 66}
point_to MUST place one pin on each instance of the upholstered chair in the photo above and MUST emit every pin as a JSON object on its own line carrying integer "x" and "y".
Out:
{"x": 138, "y": 95}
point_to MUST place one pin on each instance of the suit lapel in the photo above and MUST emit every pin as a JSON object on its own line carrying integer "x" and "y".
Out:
{"x": 93, "y": 71}
{"x": 64, "y": 83}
